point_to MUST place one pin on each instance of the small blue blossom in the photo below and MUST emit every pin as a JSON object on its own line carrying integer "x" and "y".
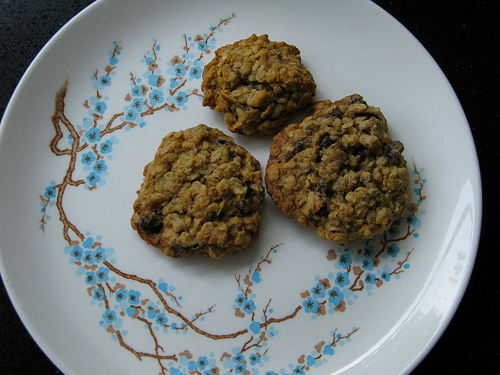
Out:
{"x": 368, "y": 264}
{"x": 88, "y": 158}
{"x": 134, "y": 297}
{"x": 181, "y": 98}
{"x": 254, "y": 359}
{"x": 163, "y": 287}
{"x": 393, "y": 250}
{"x": 298, "y": 370}
{"x": 151, "y": 309}
{"x": 394, "y": 230}
{"x": 156, "y": 97}
{"x": 137, "y": 90}
{"x": 179, "y": 70}
{"x": 50, "y": 192}
{"x": 192, "y": 366}
{"x": 100, "y": 107}
{"x": 77, "y": 252}
{"x": 240, "y": 300}
{"x": 335, "y": 296}
{"x": 342, "y": 279}
{"x": 161, "y": 319}
{"x": 88, "y": 243}
{"x": 345, "y": 260}
{"x": 121, "y": 295}
{"x": 238, "y": 358}
{"x": 311, "y": 305}
{"x": 93, "y": 179}
{"x": 255, "y": 327}
{"x": 412, "y": 220}
{"x": 100, "y": 166}
{"x": 310, "y": 360}
{"x": 328, "y": 350}
{"x": 131, "y": 115}
{"x": 98, "y": 294}
{"x": 318, "y": 291}
{"x": 370, "y": 278}
{"x": 153, "y": 79}
{"x": 249, "y": 306}
{"x": 195, "y": 72}
{"x": 106, "y": 147}
{"x": 90, "y": 278}
{"x": 137, "y": 104}
{"x": 105, "y": 80}
{"x": 131, "y": 311}
{"x": 368, "y": 251}
{"x": 102, "y": 274}
{"x": 99, "y": 255}
{"x": 113, "y": 60}
{"x": 202, "y": 45}
{"x": 88, "y": 257}
{"x": 109, "y": 316}
{"x": 202, "y": 362}
{"x": 240, "y": 368}
{"x": 386, "y": 276}
{"x": 256, "y": 277}
{"x": 93, "y": 135}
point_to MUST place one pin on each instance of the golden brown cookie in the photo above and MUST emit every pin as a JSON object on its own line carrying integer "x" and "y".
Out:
{"x": 202, "y": 194}
{"x": 258, "y": 84}
{"x": 338, "y": 172}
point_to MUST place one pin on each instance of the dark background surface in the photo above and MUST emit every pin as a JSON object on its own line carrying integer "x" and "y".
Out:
{"x": 464, "y": 40}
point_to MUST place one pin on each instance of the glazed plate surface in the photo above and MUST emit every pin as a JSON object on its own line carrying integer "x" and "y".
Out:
{"x": 91, "y": 111}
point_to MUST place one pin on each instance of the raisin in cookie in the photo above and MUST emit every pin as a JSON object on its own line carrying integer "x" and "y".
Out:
{"x": 338, "y": 171}
{"x": 202, "y": 194}
{"x": 258, "y": 84}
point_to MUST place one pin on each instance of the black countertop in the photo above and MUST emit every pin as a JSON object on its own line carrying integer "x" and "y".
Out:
{"x": 463, "y": 37}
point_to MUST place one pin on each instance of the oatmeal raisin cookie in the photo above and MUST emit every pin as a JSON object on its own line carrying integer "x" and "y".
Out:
{"x": 339, "y": 172}
{"x": 258, "y": 84}
{"x": 202, "y": 194}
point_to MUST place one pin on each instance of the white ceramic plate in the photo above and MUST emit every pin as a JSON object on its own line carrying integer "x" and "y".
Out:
{"x": 98, "y": 300}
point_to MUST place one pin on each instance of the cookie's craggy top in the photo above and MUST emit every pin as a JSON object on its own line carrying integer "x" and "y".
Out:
{"x": 338, "y": 171}
{"x": 201, "y": 194}
{"x": 258, "y": 84}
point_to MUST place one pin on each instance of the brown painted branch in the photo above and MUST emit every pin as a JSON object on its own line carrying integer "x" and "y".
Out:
{"x": 157, "y": 345}
{"x": 139, "y": 355}
{"x": 279, "y": 320}
{"x": 173, "y": 92}
{"x": 248, "y": 347}
{"x": 58, "y": 118}
{"x": 353, "y": 286}
{"x": 398, "y": 269}
{"x": 387, "y": 241}
{"x": 419, "y": 182}
{"x": 169, "y": 309}
{"x": 108, "y": 128}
